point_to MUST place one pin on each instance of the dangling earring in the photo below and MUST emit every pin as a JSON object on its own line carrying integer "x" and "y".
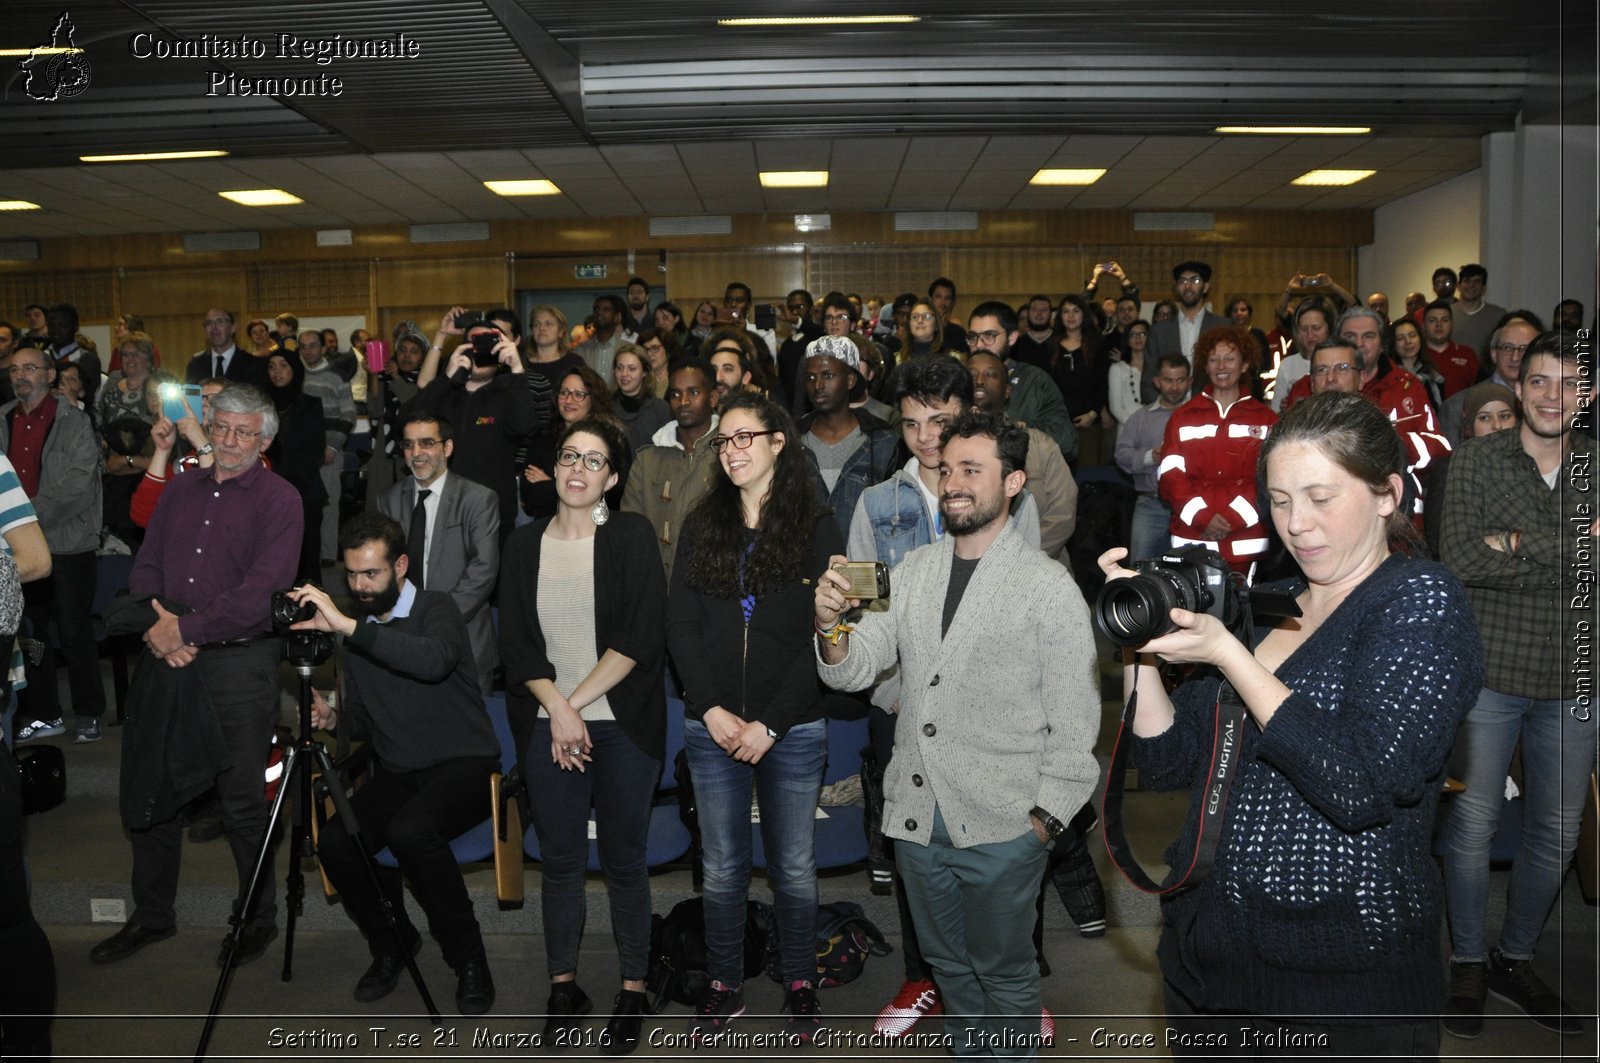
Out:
{"x": 600, "y": 514}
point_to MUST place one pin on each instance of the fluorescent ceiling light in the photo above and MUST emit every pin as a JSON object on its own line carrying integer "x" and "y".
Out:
{"x": 261, "y": 197}
{"x": 1332, "y": 177}
{"x": 17, "y": 204}
{"x": 154, "y": 156}
{"x": 1297, "y": 130}
{"x": 1066, "y": 177}
{"x": 794, "y": 178}
{"x": 539, "y": 187}
{"x": 821, "y": 20}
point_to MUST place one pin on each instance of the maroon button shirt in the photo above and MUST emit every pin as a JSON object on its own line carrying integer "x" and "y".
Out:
{"x": 222, "y": 549}
{"x": 27, "y": 441}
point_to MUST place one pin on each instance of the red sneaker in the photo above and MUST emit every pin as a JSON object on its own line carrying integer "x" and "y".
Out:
{"x": 909, "y": 1006}
{"x": 1047, "y": 1025}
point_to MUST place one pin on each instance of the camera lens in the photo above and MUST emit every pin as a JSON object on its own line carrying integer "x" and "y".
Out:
{"x": 1131, "y": 612}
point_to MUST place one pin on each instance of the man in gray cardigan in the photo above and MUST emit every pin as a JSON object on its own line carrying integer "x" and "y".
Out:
{"x": 998, "y": 717}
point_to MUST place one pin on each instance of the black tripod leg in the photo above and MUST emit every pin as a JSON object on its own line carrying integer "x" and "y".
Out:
{"x": 352, "y": 827}
{"x": 291, "y": 764}
{"x": 294, "y": 882}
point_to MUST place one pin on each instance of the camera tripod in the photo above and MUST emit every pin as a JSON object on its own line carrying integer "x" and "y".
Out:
{"x": 298, "y": 760}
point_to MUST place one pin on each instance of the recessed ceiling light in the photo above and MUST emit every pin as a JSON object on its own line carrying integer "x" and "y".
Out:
{"x": 794, "y": 178}
{"x": 1297, "y": 130}
{"x": 1066, "y": 177}
{"x": 153, "y": 156}
{"x": 1332, "y": 177}
{"x": 17, "y": 204}
{"x": 539, "y": 187}
{"x": 261, "y": 197}
{"x": 821, "y": 20}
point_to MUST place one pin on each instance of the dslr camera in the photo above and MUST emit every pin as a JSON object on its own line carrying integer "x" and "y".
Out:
{"x": 1132, "y": 611}
{"x": 303, "y": 649}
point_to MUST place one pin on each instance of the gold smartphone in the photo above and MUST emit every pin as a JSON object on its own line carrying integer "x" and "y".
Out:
{"x": 868, "y": 579}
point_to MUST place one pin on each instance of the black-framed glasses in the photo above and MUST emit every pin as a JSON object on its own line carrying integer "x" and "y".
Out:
{"x": 419, "y": 444}
{"x": 986, "y": 336}
{"x": 572, "y": 393}
{"x": 740, "y": 440}
{"x": 592, "y": 460}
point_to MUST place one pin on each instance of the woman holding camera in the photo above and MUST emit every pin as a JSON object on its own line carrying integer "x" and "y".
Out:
{"x": 582, "y": 603}
{"x": 739, "y": 625}
{"x": 1318, "y": 921}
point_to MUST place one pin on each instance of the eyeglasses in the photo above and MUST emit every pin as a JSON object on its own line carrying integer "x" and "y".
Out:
{"x": 1189, "y": 282}
{"x": 987, "y": 336}
{"x": 836, "y": 317}
{"x": 740, "y": 440}
{"x": 572, "y": 393}
{"x": 592, "y": 460}
{"x": 1512, "y": 348}
{"x": 1324, "y": 370}
{"x": 419, "y": 444}
{"x": 15, "y": 369}
{"x": 924, "y": 316}
{"x": 223, "y": 431}
{"x": 798, "y": 308}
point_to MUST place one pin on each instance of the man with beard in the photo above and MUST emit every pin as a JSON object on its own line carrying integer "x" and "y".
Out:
{"x": 1191, "y": 281}
{"x": 411, "y": 692}
{"x": 975, "y": 800}
{"x": 732, "y": 357}
{"x": 673, "y": 474}
{"x": 1036, "y": 343}
{"x": 638, "y": 316}
{"x": 220, "y": 542}
{"x": 453, "y": 540}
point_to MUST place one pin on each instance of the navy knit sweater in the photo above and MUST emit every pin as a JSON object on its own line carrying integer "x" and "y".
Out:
{"x": 1324, "y": 899}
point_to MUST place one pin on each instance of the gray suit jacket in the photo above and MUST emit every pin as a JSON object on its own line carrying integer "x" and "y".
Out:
{"x": 1164, "y": 338}
{"x": 463, "y": 554}
{"x": 69, "y": 500}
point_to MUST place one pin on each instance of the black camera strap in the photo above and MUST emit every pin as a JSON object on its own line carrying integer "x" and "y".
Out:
{"x": 1227, "y": 736}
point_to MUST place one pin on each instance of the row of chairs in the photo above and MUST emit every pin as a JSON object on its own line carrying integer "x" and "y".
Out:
{"x": 501, "y": 838}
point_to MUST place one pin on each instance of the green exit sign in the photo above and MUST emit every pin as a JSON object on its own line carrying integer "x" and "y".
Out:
{"x": 594, "y": 272}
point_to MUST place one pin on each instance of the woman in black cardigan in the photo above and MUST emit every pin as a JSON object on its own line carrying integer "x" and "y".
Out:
{"x": 740, "y": 631}
{"x": 297, "y": 450}
{"x": 589, "y": 711}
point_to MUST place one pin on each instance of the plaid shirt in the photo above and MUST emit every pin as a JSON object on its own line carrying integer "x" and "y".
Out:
{"x": 1535, "y": 608}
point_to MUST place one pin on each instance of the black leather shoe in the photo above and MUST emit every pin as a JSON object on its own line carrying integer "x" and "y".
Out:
{"x": 125, "y": 942}
{"x": 253, "y": 941}
{"x": 474, "y": 987}
{"x": 567, "y": 1003}
{"x": 627, "y": 1017}
{"x": 384, "y": 973}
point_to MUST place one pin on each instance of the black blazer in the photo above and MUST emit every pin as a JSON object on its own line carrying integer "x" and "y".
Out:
{"x": 630, "y": 610}
{"x": 243, "y": 368}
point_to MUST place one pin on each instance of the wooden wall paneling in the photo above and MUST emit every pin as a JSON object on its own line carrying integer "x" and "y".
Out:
{"x": 89, "y": 291}
{"x": 544, "y": 273}
{"x": 306, "y": 288}
{"x": 886, "y": 272}
{"x": 186, "y": 290}
{"x": 476, "y": 282}
{"x": 696, "y": 275}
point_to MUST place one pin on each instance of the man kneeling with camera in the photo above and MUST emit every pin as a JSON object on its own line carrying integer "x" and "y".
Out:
{"x": 411, "y": 692}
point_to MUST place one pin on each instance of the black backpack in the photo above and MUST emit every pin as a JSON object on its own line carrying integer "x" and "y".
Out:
{"x": 845, "y": 938}
{"x": 678, "y": 958}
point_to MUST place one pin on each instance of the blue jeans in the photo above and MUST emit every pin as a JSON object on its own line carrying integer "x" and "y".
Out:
{"x": 1558, "y": 753}
{"x": 974, "y": 910}
{"x": 621, "y": 783}
{"x": 788, "y": 780}
{"x": 1152, "y": 528}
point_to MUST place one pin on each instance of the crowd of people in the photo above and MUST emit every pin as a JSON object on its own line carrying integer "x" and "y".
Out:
{"x": 687, "y": 489}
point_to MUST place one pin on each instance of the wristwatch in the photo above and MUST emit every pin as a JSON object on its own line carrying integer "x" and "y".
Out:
{"x": 1052, "y": 826}
{"x": 203, "y": 451}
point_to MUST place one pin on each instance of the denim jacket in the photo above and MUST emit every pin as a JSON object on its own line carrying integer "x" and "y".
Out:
{"x": 871, "y": 464}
